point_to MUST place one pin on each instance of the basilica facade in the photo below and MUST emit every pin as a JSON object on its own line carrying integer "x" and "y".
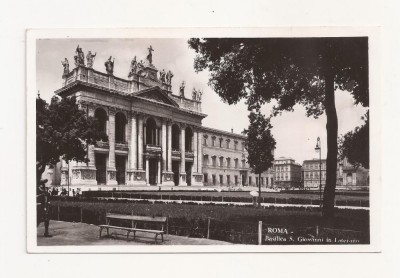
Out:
{"x": 155, "y": 136}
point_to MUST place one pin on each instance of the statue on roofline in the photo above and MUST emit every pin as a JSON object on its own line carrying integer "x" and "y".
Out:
{"x": 199, "y": 95}
{"x": 182, "y": 89}
{"x": 169, "y": 76}
{"x": 90, "y": 59}
{"x": 134, "y": 67}
{"x": 65, "y": 64}
{"x": 149, "y": 57}
{"x": 162, "y": 76}
{"x": 79, "y": 57}
{"x": 194, "y": 94}
{"x": 110, "y": 65}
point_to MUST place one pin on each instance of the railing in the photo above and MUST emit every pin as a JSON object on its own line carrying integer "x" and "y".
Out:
{"x": 103, "y": 145}
{"x": 176, "y": 153}
{"x": 189, "y": 154}
{"x": 153, "y": 149}
{"x": 123, "y": 146}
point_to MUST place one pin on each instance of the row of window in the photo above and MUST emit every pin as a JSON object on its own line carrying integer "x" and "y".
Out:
{"x": 220, "y": 142}
{"x": 313, "y": 175}
{"x": 221, "y": 162}
{"x": 313, "y": 166}
{"x": 236, "y": 180}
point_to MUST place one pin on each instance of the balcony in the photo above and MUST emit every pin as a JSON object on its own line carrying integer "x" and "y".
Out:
{"x": 176, "y": 153}
{"x": 102, "y": 145}
{"x": 152, "y": 149}
{"x": 121, "y": 146}
{"x": 189, "y": 155}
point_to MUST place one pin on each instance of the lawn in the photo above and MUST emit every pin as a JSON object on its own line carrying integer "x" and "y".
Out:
{"x": 342, "y": 199}
{"x": 191, "y": 219}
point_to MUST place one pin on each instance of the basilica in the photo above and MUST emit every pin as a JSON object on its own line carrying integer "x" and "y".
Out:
{"x": 155, "y": 134}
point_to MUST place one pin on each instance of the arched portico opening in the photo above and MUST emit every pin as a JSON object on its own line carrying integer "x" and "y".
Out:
{"x": 101, "y": 115}
{"x": 151, "y": 132}
{"x": 175, "y": 137}
{"x": 188, "y": 139}
{"x": 120, "y": 127}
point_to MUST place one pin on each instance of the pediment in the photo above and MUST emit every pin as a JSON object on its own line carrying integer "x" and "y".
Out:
{"x": 157, "y": 95}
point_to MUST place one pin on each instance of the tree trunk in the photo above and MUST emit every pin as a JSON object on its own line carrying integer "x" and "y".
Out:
{"x": 40, "y": 167}
{"x": 259, "y": 190}
{"x": 331, "y": 159}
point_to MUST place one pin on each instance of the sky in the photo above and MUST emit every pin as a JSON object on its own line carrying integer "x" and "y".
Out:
{"x": 295, "y": 133}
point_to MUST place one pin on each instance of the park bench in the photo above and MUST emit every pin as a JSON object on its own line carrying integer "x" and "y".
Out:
{"x": 134, "y": 221}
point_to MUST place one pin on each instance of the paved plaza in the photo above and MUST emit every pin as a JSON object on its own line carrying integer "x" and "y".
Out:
{"x": 68, "y": 233}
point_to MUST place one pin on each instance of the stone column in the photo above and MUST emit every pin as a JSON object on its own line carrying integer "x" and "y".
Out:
{"x": 140, "y": 143}
{"x": 133, "y": 143}
{"x": 164, "y": 145}
{"x": 169, "y": 164}
{"x": 194, "y": 168}
{"x": 91, "y": 156}
{"x": 64, "y": 173}
{"x": 159, "y": 172}
{"x": 147, "y": 171}
{"x": 199, "y": 152}
{"x": 111, "y": 171}
{"x": 167, "y": 174}
{"x": 182, "y": 178}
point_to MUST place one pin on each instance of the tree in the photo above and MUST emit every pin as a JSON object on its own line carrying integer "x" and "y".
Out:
{"x": 63, "y": 130}
{"x": 292, "y": 71}
{"x": 260, "y": 145}
{"x": 354, "y": 145}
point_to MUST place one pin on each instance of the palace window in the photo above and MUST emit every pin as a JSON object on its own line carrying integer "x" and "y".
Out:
{"x": 236, "y": 180}
{"x": 214, "y": 161}
{"x": 221, "y": 162}
{"x": 228, "y": 162}
{"x": 228, "y": 143}
{"x": 213, "y": 141}
{"x": 214, "y": 180}
{"x": 220, "y": 142}
{"x": 205, "y": 178}
{"x": 235, "y": 145}
{"x": 221, "y": 179}
{"x": 205, "y": 140}
{"x": 236, "y": 163}
{"x": 243, "y": 163}
{"x": 205, "y": 160}
{"x": 228, "y": 179}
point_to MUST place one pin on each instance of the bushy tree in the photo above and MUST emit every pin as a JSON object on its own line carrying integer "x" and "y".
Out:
{"x": 292, "y": 71}
{"x": 260, "y": 145}
{"x": 63, "y": 130}
{"x": 354, "y": 145}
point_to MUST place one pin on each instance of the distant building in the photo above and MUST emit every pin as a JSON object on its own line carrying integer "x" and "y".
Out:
{"x": 354, "y": 178}
{"x": 287, "y": 173}
{"x": 347, "y": 176}
{"x": 225, "y": 160}
{"x": 311, "y": 173}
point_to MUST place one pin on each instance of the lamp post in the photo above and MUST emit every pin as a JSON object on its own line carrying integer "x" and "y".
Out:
{"x": 318, "y": 149}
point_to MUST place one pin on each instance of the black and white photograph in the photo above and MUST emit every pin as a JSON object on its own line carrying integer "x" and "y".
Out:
{"x": 240, "y": 141}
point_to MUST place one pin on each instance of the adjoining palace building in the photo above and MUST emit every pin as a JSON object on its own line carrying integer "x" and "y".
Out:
{"x": 155, "y": 137}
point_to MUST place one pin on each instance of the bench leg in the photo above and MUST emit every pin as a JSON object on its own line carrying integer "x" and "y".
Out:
{"x": 134, "y": 235}
{"x": 162, "y": 237}
{"x": 101, "y": 229}
{"x": 108, "y": 232}
{"x": 127, "y": 236}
